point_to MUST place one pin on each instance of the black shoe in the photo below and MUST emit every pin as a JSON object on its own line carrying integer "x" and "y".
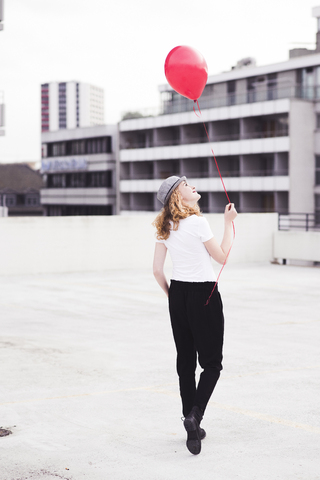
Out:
{"x": 192, "y": 426}
{"x": 202, "y": 434}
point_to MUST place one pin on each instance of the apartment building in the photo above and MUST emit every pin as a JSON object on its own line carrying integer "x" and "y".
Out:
{"x": 79, "y": 169}
{"x": 20, "y": 188}
{"x": 264, "y": 128}
{"x": 70, "y": 105}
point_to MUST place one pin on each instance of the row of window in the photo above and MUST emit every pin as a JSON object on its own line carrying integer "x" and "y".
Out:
{"x": 80, "y": 180}
{"x": 17, "y": 199}
{"x": 214, "y": 202}
{"x": 219, "y": 131}
{"x": 75, "y": 210}
{"x": 78, "y": 147}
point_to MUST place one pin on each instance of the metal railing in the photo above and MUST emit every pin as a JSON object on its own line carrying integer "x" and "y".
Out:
{"x": 299, "y": 221}
{"x": 127, "y": 145}
{"x": 182, "y": 104}
{"x": 193, "y": 174}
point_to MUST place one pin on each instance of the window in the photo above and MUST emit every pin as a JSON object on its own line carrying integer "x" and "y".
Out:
{"x": 77, "y": 180}
{"x": 99, "y": 145}
{"x": 272, "y": 86}
{"x": 65, "y": 210}
{"x": 80, "y": 147}
{"x": 80, "y": 180}
{"x": 54, "y": 211}
{"x": 100, "y": 179}
{"x": 10, "y": 200}
{"x": 56, "y": 180}
{"x": 251, "y": 89}
{"x": 308, "y": 81}
{"x": 77, "y": 109}
{"x": 231, "y": 92}
{"x": 62, "y": 106}
{"x": 44, "y": 151}
{"x": 32, "y": 200}
{"x": 318, "y": 170}
{"x": 317, "y": 209}
{"x": 57, "y": 149}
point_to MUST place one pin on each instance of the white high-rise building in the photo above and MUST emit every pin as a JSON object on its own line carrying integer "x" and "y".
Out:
{"x": 70, "y": 105}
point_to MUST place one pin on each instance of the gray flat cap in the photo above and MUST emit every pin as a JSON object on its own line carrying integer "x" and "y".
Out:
{"x": 167, "y": 187}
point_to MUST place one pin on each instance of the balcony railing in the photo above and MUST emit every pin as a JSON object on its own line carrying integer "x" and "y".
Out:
{"x": 184, "y": 105}
{"x": 204, "y": 208}
{"x": 283, "y": 132}
{"x": 193, "y": 174}
{"x": 299, "y": 221}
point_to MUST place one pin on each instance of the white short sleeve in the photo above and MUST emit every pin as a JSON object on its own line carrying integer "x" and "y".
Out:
{"x": 205, "y": 232}
{"x": 160, "y": 241}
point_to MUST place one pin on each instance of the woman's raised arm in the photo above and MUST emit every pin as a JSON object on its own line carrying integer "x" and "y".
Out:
{"x": 219, "y": 252}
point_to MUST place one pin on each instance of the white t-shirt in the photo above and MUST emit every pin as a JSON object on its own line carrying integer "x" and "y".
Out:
{"x": 190, "y": 258}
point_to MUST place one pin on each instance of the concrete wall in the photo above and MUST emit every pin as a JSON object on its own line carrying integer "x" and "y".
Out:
{"x": 3, "y": 211}
{"x": 301, "y": 170}
{"x": 303, "y": 246}
{"x": 69, "y": 244}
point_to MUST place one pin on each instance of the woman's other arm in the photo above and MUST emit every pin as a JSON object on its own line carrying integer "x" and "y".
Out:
{"x": 219, "y": 252}
{"x": 160, "y": 253}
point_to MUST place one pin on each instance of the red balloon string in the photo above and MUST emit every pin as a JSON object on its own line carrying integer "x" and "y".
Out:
{"x": 225, "y": 191}
{"x": 196, "y": 101}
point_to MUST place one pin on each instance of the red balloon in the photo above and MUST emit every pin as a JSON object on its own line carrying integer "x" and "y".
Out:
{"x": 186, "y": 71}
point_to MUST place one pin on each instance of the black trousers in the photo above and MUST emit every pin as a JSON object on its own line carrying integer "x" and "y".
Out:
{"x": 197, "y": 330}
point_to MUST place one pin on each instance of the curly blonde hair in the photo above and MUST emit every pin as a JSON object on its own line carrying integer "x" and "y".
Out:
{"x": 173, "y": 211}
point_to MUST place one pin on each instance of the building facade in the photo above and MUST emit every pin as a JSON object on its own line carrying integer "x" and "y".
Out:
{"x": 264, "y": 128}
{"x": 67, "y": 105}
{"x": 80, "y": 172}
{"x": 20, "y": 187}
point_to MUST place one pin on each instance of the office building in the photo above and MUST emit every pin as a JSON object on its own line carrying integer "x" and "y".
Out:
{"x": 264, "y": 127}
{"x": 80, "y": 171}
{"x": 67, "y": 105}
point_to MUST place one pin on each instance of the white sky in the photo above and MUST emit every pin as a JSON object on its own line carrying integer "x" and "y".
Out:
{"x": 121, "y": 46}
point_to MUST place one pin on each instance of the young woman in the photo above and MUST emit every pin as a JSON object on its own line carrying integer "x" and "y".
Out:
{"x": 197, "y": 327}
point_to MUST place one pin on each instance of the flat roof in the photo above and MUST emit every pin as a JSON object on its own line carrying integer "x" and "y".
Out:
{"x": 79, "y": 133}
{"x": 245, "y": 72}
{"x": 89, "y": 388}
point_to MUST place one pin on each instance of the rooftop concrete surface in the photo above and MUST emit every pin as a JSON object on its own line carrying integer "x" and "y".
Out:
{"x": 89, "y": 388}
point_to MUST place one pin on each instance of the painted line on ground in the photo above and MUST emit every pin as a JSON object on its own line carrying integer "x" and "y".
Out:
{"x": 160, "y": 389}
